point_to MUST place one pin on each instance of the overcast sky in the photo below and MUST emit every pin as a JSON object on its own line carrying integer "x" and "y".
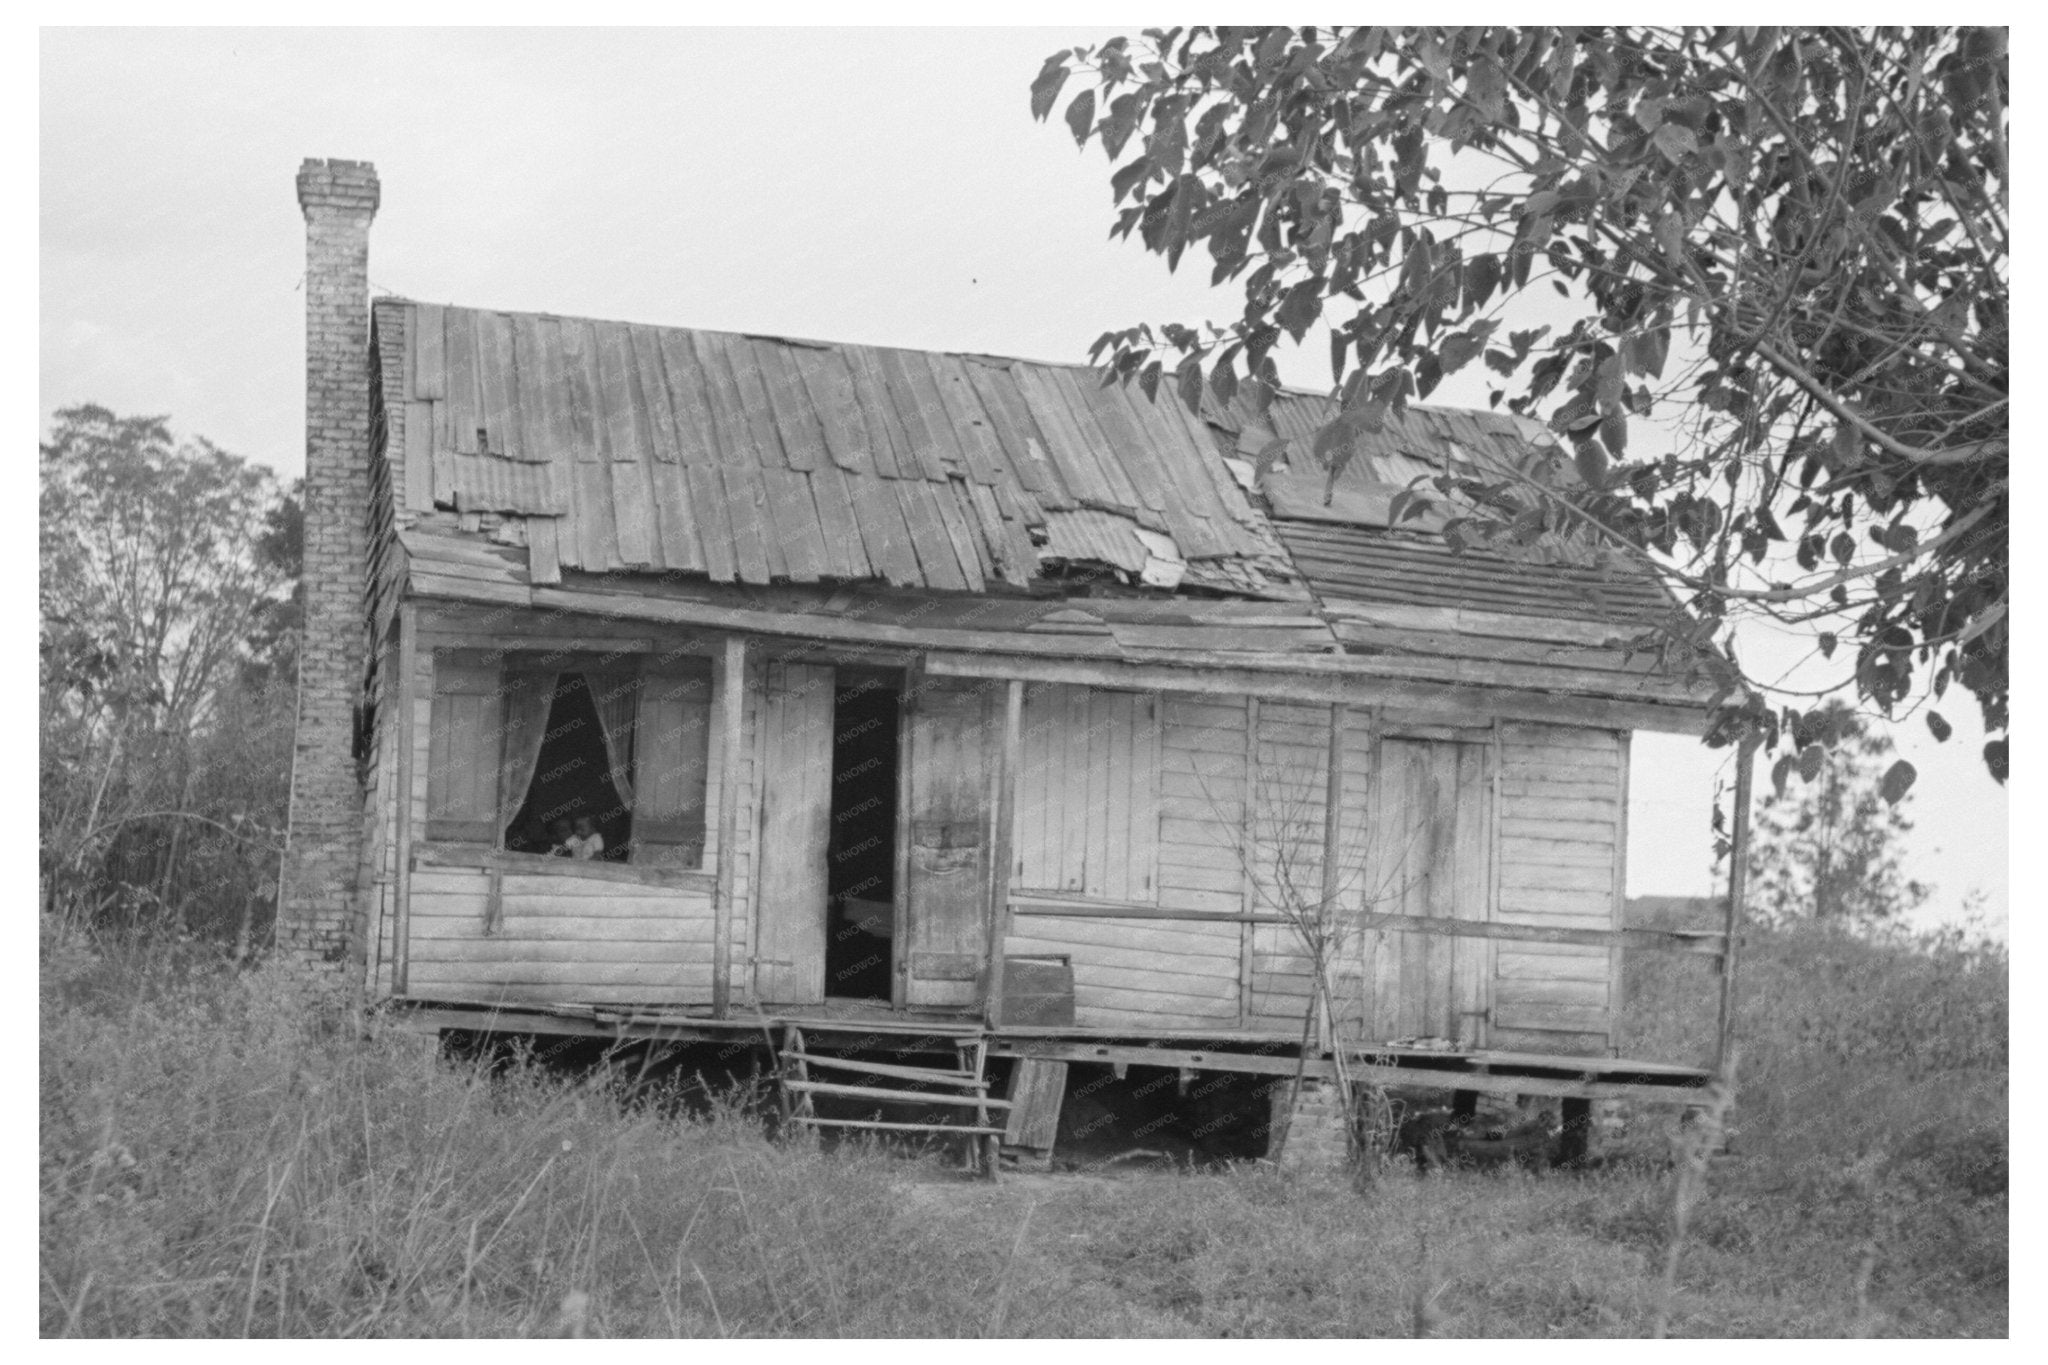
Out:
{"x": 883, "y": 186}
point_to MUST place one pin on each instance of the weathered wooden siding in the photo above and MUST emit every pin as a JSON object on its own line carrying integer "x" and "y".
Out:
{"x": 1189, "y": 772}
{"x": 1561, "y": 798}
{"x": 1088, "y": 793}
{"x": 745, "y": 770}
{"x": 380, "y": 892}
{"x": 796, "y": 819}
{"x": 1291, "y": 788}
{"x": 1430, "y": 858}
{"x": 564, "y": 938}
{"x": 1554, "y": 843}
{"x": 557, "y": 938}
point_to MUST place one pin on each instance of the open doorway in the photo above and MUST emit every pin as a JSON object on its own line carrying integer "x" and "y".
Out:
{"x": 861, "y": 866}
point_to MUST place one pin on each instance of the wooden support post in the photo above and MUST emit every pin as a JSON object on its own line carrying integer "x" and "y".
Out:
{"x": 1333, "y": 882}
{"x": 1248, "y": 858}
{"x": 1005, "y": 806}
{"x": 407, "y": 723}
{"x": 1575, "y": 1141}
{"x": 1738, "y": 877}
{"x": 732, "y": 689}
{"x": 1615, "y": 963}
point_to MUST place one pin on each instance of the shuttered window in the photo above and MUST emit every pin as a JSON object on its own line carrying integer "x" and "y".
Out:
{"x": 1088, "y": 794}
{"x": 661, "y": 758}
{"x": 466, "y": 735}
{"x": 671, "y": 757}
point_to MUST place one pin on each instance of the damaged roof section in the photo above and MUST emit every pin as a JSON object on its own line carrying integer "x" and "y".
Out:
{"x": 628, "y": 448}
{"x": 1408, "y": 600}
{"x": 1419, "y": 443}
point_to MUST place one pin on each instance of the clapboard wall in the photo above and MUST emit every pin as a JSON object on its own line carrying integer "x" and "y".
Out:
{"x": 1131, "y": 779}
{"x": 1289, "y": 784}
{"x": 1154, "y": 816}
{"x": 1563, "y": 791}
{"x": 610, "y": 933}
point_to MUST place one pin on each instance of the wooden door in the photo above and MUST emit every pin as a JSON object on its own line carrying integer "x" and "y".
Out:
{"x": 952, "y": 746}
{"x": 1431, "y": 856}
{"x": 796, "y": 819}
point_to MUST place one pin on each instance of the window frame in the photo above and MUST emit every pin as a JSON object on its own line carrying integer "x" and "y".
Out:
{"x": 452, "y": 825}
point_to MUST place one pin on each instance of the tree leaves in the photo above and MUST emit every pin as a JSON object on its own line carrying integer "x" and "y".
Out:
{"x": 1833, "y": 846}
{"x": 1898, "y": 780}
{"x": 1300, "y": 308}
{"x": 1995, "y": 759}
{"x": 1674, "y": 141}
{"x": 1045, "y": 87}
{"x": 1591, "y": 462}
{"x": 1824, "y": 216}
{"x": 1081, "y": 117}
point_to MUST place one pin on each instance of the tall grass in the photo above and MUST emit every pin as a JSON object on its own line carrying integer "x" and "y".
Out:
{"x": 1871, "y": 1118}
{"x": 229, "y": 1153}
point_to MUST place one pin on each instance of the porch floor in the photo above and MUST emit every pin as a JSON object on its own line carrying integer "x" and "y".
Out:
{"x": 855, "y": 1026}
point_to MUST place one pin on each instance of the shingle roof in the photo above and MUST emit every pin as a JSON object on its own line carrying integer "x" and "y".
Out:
{"x": 755, "y": 459}
{"x": 748, "y": 467}
{"x": 1405, "y": 597}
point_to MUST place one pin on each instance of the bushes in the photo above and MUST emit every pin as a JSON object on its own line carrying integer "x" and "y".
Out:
{"x": 1871, "y": 1104}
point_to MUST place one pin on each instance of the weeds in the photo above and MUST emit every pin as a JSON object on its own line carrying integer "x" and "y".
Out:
{"x": 225, "y": 1153}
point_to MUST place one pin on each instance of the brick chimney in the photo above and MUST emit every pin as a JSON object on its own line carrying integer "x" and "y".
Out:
{"x": 316, "y": 903}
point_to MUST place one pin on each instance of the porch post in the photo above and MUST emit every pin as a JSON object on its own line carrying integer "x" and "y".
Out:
{"x": 1006, "y": 818}
{"x": 732, "y": 682}
{"x": 406, "y": 720}
{"x": 1333, "y": 835}
{"x": 1738, "y": 878}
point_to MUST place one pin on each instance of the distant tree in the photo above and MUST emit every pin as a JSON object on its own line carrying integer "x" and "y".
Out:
{"x": 1827, "y": 843}
{"x": 154, "y": 564}
{"x": 166, "y": 570}
{"x": 1790, "y": 242}
{"x": 273, "y": 635}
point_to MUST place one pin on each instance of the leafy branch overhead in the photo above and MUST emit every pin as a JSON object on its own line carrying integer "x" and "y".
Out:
{"x": 1781, "y": 369}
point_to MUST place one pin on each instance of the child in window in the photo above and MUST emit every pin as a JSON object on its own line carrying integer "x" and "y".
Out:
{"x": 587, "y": 842}
{"x": 561, "y": 836}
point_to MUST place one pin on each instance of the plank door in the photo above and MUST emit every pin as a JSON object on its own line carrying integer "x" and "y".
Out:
{"x": 1431, "y": 857}
{"x": 796, "y": 822}
{"x": 953, "y": 745}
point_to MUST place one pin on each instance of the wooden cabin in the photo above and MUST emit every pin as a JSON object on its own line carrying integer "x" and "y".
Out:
{"x": 943, "y": 692}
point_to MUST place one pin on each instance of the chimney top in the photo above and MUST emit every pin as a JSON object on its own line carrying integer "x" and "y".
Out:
{"x": 344, "y": 185}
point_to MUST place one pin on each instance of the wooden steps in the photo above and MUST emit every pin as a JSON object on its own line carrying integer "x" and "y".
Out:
{"x": 878, "y": 1125}
{"x": 963, "y": 1087}
{"x": 979, "y": 1100}
{"x": 901, "y": 1073}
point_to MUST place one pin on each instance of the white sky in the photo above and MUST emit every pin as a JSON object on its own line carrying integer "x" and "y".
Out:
{"x": 883, "y": 186}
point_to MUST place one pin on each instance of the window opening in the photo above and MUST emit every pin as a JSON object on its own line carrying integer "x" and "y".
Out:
{"x": 572, "y": 795}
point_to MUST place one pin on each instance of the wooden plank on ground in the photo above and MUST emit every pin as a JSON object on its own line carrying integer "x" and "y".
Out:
{"x": 1037, "y": 1088}
{"x": 869, "y": 1092}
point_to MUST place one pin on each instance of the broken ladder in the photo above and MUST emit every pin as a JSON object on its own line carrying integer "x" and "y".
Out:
{"x": 959, "y": 1093}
